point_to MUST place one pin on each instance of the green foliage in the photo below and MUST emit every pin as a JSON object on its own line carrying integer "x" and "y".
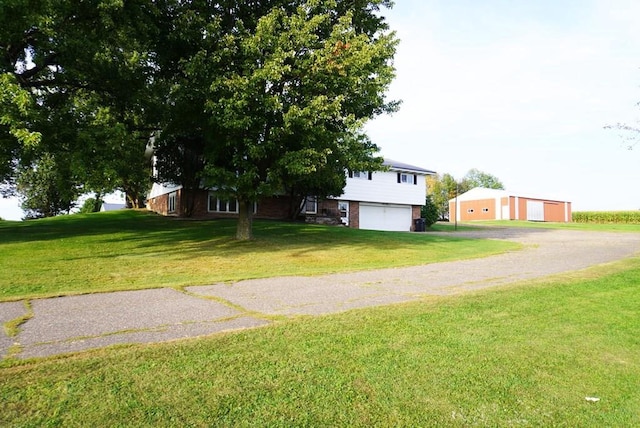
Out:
{"x": 289, "y": 94}
{"x": 524, "y": 355}
{"x": 91, "y": 205}
{"x": 74, "y": 87}
{"x": 274, "y": 95}
{"x": 441, "y": 189}
{"x": 606, "y": 217}
{"x": 47, "y": 188}
{"x": 476, "y": 178}
{"x": 131, "y": 249}
{"x": 429, "y": 211}
{"x": 444, "y": 188}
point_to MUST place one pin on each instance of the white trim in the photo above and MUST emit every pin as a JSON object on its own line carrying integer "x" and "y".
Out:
{"x": 171, "y": 202}
{"x": 345, "y": 218}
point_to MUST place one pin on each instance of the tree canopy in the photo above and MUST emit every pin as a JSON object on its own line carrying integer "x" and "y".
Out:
{"x": 251, "y": 98}
{"x": 74, "y": 77}
{"x": 476, "y": 178}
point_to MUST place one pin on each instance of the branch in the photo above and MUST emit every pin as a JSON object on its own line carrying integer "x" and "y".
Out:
{"x": 28, "y": 74}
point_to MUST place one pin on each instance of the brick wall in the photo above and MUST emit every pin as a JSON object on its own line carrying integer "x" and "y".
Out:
{"x": 354, "y": 214}
{"x": 276, "y": 208}
{"x": 415, "y": 213}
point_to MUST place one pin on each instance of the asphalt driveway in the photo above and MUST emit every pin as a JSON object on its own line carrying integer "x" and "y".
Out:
{"x": 75, "y": 323}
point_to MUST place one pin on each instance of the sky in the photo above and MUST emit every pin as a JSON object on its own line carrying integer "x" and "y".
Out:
{"x": 519, "y": 89}
{"x": 522, "y": 90}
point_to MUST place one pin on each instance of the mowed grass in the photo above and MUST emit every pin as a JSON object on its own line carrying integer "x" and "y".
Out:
{"x": 522, "y": 355}
{"x": 128, "y": 250}
{"x": 594, "y": 227}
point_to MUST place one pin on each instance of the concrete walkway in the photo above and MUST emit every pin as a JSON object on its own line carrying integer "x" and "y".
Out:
{"x": 75, "y": 323}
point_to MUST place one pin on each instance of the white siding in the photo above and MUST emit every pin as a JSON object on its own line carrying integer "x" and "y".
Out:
{"x": 162, "y": 189}
{"x": 384, "y": 188}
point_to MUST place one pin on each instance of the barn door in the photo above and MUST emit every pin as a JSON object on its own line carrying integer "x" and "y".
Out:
{"x": 535, "y": 210}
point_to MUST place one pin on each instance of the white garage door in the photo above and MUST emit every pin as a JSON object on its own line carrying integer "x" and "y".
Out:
{"x": 535, "y": 210}
{"x": 385, "y": 217}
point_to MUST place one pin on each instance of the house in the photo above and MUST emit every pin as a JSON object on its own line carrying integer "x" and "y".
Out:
{"x": 380, "y": 200}
{"x": 492, "y": 204}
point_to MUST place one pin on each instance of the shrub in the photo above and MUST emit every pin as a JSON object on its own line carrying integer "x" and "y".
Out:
{"x": 429, "y": 211}
{"x": 91, "y": 205}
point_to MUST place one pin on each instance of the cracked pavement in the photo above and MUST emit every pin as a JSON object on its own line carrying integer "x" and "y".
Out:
{"x": 75, "y": 323}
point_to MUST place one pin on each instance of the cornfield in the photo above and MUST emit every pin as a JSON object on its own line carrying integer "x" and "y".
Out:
{"x": 610, "y": 217}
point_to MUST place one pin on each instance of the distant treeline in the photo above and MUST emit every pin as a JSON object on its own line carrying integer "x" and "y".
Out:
{"x": 618, "y": 217}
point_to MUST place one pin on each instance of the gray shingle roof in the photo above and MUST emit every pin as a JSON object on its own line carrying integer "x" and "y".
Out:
{"x": 406, "y": 167}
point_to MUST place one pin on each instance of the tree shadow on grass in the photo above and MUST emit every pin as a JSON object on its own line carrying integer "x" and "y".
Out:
{"x": 153, "y": 234}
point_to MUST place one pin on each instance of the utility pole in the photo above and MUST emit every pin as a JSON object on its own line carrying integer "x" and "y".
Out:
{"x": 455, "y": 227}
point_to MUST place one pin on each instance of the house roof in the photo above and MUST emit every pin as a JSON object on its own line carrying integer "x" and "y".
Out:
{"x": 400, "y": 166}
{"x": 112, "y": 206}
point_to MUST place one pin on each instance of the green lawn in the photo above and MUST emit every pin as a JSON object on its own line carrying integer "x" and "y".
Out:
{"x": 134, "y": 249}
{"x": 594, "y": 227}
{"x": 522, "y": 355}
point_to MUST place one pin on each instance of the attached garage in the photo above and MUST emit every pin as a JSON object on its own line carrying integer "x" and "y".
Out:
{"x": 385, "y": 217}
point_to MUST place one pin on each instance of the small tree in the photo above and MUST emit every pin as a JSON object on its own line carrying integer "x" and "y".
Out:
{"x": 91, "y": 205}
{"x": 440, "y": 189}
{"x": 429, "y": 212}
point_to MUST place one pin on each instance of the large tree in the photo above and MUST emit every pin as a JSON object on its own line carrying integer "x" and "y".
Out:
{"x": 291, "y": 86}
{"x": 74, "y": 87}
{"x": 268, "y": 95}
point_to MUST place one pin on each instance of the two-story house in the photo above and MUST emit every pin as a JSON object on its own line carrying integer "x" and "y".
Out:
{"x": 381, "y": 200}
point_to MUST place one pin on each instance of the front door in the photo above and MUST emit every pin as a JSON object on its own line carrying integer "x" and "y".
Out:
{"x": 343, "y": 208}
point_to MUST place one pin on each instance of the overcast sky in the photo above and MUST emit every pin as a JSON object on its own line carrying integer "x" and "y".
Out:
{"x": 520, "y": 89}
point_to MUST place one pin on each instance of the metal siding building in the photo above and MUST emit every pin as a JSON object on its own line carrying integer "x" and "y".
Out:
{"x": 491, "y": 204}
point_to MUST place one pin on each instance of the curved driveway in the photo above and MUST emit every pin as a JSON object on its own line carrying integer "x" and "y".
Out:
{"x": 74, "y": 323}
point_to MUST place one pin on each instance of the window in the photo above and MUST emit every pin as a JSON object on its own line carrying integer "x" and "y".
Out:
{"x": 310, "y": 205}
{"x": 219, "y": 205}
{"x": 485, "y": 210}
{"x": 363, "y": 175}
{"x": 222, "y": 205}
{"x": 470, "y": 211}
{"x": 343, "y": 207}
{"x": 407, "y": 178}
{"x": 171, "y": 202}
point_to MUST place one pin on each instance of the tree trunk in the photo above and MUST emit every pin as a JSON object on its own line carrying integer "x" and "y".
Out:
{"x": 244, "y": 231}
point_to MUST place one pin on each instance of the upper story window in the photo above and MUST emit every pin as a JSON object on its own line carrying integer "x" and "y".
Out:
{"x": 405, "y": 178}
{"x": 363, "y": 175}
